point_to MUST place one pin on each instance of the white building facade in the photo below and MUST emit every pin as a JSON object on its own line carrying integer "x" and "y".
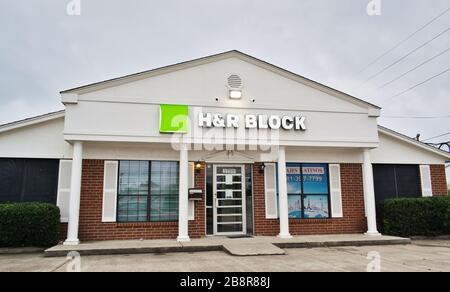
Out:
{"x": 225, "y": 145}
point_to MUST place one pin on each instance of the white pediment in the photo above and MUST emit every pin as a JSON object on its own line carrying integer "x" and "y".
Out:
{"x": 127, "y": 109}
{"x": 202, "y": 82}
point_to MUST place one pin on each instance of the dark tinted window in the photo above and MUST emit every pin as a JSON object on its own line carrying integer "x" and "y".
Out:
{"x": 396, "y": 181}
{"x": 28, "y": 180}
{"x": 408, "y": 181}
{"x": 384, "y": 180}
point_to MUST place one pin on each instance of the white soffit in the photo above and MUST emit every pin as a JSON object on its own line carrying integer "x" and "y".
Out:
{"x": 55, "y": 115}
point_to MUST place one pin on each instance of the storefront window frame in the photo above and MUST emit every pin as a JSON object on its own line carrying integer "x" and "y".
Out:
{"x": 149, "y": 193}
{"x": 303, "y": 195}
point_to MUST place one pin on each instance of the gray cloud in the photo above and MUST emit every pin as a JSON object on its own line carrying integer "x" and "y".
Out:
{"x": 43, "y": 50}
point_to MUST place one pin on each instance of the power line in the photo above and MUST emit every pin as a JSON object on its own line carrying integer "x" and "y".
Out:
{"x": 413, "y": 69}
{"x": 403, "y": 41}
{"x": 406, "y": 56}
{"x": 419, "y": 84}
{"x": 440, "y": 146}
{"x": 443, "y": 143}
{"x": 417, "y": 117}
{"x": 442, "y": 135}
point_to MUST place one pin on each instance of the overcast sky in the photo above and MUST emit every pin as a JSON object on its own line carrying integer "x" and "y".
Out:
{"x": 43, "y": 50}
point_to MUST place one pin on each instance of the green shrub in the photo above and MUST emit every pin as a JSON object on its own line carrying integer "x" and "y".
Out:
{"x": 29, "y": 224}
{"x": 416, "y": 217}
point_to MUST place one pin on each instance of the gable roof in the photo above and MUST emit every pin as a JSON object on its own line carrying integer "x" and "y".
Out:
{"x": 412, "y": 141}
{"x": 32, "y": 121}
{"x": 210, "y": 59}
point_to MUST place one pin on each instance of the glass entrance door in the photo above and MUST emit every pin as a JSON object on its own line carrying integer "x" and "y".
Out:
{"x": 229, "y": 200}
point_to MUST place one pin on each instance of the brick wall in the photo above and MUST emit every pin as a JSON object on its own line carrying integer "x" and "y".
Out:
{"x": 439, "y": 180}
{"x": 197, "y": 228}
{"x": 354, "y": 220}
{"x": 91, "y": 226}
{"x": 63, "y": 232}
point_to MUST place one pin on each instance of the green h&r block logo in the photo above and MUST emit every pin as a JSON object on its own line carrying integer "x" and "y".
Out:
{"x": 173, "y": 119}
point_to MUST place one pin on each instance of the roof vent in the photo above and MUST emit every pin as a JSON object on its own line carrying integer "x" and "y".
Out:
{"x": 235, "y": 82}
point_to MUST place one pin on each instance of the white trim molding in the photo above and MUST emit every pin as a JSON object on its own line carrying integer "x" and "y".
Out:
{"x": 426, "y": 182}
{"x": 270, "y": 190}
{"x": 64, "y": 181}
{"x": 336, "y": 191}
{"x": 110, "y": 181}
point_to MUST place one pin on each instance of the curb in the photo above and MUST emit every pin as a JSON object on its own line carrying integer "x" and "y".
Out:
{"x": 442, "y": 237}
{"x": 21, "y": 250}
{"x": 187, "y": 249}
{"x": 126, "y": 251}
{"x": 405, "y": 241}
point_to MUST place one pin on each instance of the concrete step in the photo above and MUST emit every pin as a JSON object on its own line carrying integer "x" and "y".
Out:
{"x": 237, "y": 247}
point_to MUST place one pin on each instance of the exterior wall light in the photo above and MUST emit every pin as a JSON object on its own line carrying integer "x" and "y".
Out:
{"x": 235, "y": 94}
{"x": 235, "y": 85}
{"x": 198, "y": 166}
{"x": 263, "y": 167}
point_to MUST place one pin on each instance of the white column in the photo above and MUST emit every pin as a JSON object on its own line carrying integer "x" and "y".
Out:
{"x": 369, "y": 195}
{"x": 75, "y": 190}
{"x": 283, "y": 197}
{"x": 183, "y": 219}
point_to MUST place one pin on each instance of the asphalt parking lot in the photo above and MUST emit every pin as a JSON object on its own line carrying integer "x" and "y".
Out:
{"x": 421, "y": 256}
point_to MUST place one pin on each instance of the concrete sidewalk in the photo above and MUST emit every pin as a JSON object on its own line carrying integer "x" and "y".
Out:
{"x": 255, "y": 246}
